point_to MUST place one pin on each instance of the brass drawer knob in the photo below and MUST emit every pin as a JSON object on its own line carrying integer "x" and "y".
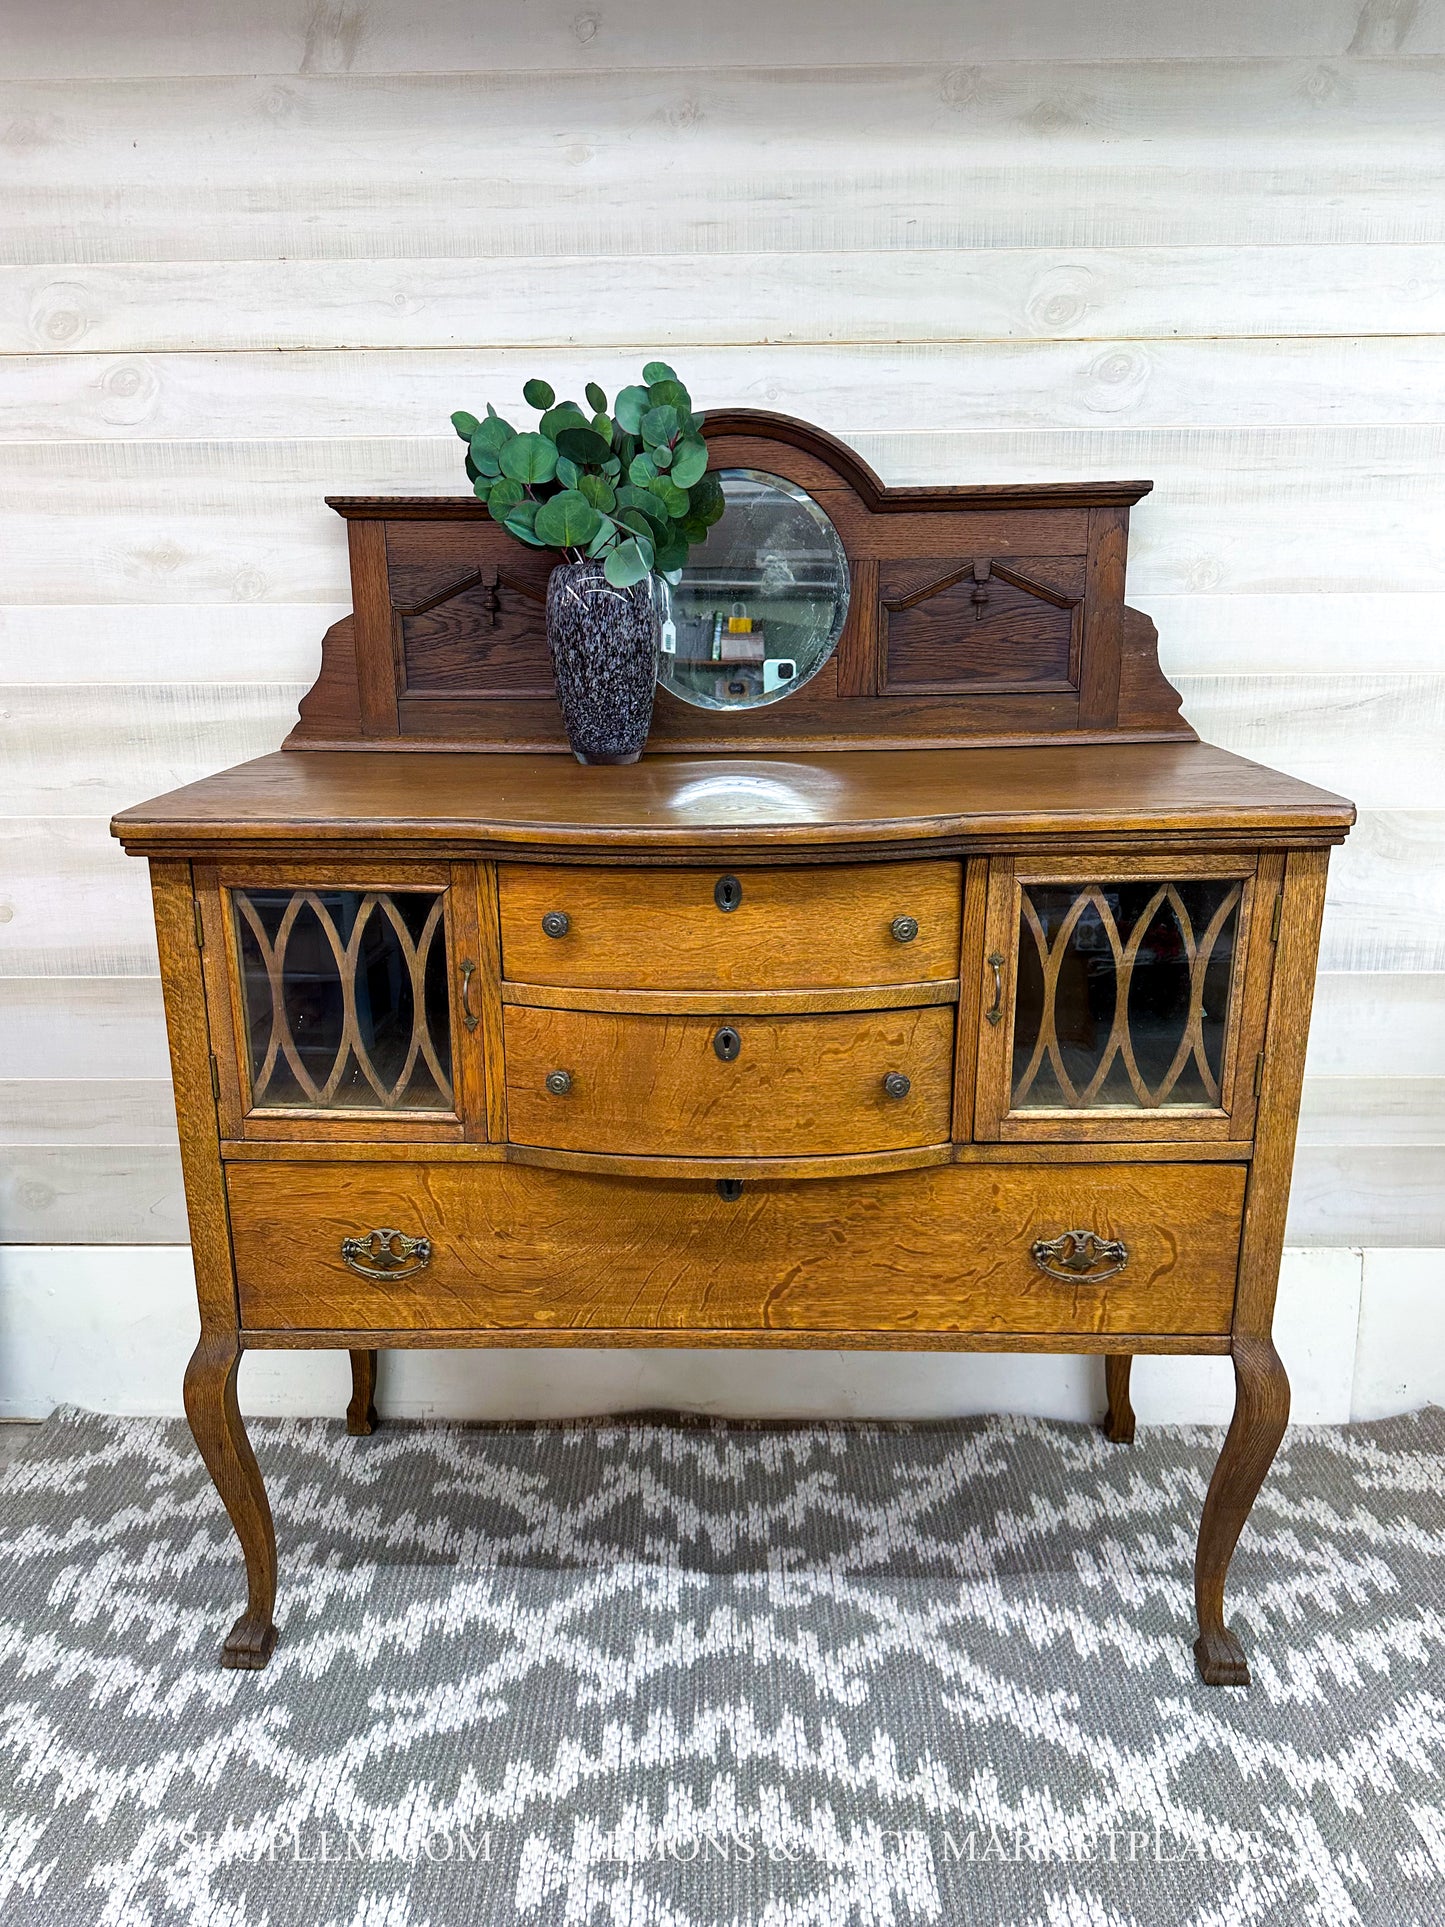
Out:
{"x": 905, "y": 929}
{"x": 1080, "y": 1257}
{"x": 559, "y": 1082}
{"x": 556, "y": 923}
{"x": 896, "y": 1084}
{"x": 727, "y": 1043}
{"x": 386, "y": 1254}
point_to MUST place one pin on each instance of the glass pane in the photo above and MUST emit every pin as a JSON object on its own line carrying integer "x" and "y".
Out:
{"x": 346, "y": 999}
{"x": 762, "y": 601}
{"x": 1123, "y": 994}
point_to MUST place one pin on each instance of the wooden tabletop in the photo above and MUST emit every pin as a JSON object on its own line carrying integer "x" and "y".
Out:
{"x": 966, "y": 798}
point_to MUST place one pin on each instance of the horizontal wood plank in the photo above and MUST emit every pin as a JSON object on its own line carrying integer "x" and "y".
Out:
{"x": 92, "y": 1195}
{"x": 1037, "y": 153}
{"x": 863, "y": 389}
{"x": 135, "y": 37}
{"x": 832, "y": 296}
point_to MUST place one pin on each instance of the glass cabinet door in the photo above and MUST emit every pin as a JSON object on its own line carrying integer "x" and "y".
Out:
{"x": 1114, "y": 999}
{"x": 342, "y": 996}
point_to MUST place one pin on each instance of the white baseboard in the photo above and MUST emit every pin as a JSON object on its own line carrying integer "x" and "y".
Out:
{"x": 111, "y": 1326}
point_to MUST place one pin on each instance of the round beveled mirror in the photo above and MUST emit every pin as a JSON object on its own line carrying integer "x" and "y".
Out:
{"x": 761, "y": 603}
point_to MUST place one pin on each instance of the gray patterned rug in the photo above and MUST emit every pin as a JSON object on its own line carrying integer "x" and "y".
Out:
{"x": 661, "y": 1674}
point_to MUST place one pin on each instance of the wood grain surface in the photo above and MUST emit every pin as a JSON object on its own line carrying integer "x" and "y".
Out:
{"x": 515, "y": 1249}
{"x": 656, "y": 1086}
{"x": 792, "y": 928}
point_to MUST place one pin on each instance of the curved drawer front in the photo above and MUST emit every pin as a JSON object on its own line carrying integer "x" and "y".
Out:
{"x": 828, "y": 927}
{"x": 511, "y": 1249}
{"x": 722, "y": 1086}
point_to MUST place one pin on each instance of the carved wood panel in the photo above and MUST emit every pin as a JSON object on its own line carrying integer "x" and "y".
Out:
{"x": 954, "y": 625}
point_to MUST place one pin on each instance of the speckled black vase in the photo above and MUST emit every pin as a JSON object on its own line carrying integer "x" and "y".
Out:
{"x": 604, "y": 660}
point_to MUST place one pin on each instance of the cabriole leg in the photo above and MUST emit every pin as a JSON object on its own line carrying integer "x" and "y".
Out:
{"x": 361, "y": 1412}
{"x": 1261, "y": 1411}
{"x": 215, "y": 1421}
{"x": 1119, "y": 1418}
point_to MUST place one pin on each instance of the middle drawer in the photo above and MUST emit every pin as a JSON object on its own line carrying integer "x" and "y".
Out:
{"x": 719, "y": 1086}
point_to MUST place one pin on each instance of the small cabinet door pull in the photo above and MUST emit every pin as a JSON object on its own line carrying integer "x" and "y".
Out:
{"x": 1080, "y": 1257}
{"x": 905, "y": 929}
{"x": 469, "y": 1016}
{"x": 559, "y": 1082}
{"x": 727, "y": 1043}
{"x": 556, "y": 923}
{"x": 897, "y": 1085}
{"x": 994, "y": 1013}
{"x": 386, "y": 1254}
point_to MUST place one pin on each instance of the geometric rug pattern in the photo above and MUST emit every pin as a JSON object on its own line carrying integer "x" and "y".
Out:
{"x": 650, "y": 1672}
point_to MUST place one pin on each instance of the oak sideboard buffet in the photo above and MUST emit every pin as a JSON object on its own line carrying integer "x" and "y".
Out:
{"x": 936, "y": 989}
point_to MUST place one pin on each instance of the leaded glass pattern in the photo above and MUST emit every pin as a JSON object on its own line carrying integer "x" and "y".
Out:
{"x": 1123, "y": 994}
{"x": 346, "y": 998}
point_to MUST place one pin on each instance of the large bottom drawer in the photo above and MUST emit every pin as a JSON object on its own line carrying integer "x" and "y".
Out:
{"x": 451, "y": 1246}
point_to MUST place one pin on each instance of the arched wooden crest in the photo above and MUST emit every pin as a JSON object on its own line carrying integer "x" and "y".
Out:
{"x": 977, "y": 615}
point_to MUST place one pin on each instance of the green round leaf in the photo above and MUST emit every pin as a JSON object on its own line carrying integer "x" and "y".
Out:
{"x": 522, "y": 522}
{"x": 694, "y": 530}
{"x": 568, "y": 473}
{"x": 671, "y": 554}
{"x": 626, "y": 564}
{"x": 612, "y": 469}
{"x": 660, "y": 425}
{"x": 493, "y": 433}
{"x": 503, "y": 498}
{"x": 598, "y": 490}
{"x": 689, "y": 462}
{"x": 673, "y": 499}
{"x": 485, "y": 460}
{"x": 662, "y": 455}
{"x": 640, "y": 524}
{"x": 529, "y": 458}
{"x": 658, "y": 371}
{"x": 470, "y": 466}
{"x": 633, "y": 497}
{"x": 568, "y": 521}
{"x": 482, "y": 488}
{"x": 602, "y": 425}
{"x": 466, "y": 425}
{"x": 642, "y": 469}
{"x": 670, "y": 394}
{"x": 629, "y": 408}
{"x": 596, "y": 399}
{"x": 584, "y": 446}
{"x": 538, "y": 394}
{"x": 565, "y": 415}
{"x": 706, "y": 498}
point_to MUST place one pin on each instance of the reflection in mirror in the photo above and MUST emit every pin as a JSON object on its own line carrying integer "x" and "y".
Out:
{"x": 762, "y": 602}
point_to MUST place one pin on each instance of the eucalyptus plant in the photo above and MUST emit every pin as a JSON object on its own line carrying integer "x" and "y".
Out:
{"x": 631, "y": 486}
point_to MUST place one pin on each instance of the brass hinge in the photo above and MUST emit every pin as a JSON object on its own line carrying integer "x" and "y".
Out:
{"x": 215, "y": 1078}
{"x": 200, "y": 924}
{"x": 1274, "y": 921}
{"x": 1259, "y": 1074}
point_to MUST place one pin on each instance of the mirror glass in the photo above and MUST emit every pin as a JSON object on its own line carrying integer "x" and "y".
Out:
{"x": 761, "y": 603}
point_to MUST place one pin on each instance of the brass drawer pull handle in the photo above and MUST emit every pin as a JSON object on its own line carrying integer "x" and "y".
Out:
{"x": 1080, "y": 1257}
{"x": 727, "y": 893}
{"x": 994, "y": 1013}
{"x": 905, "y": 929}
{"x": 897, "y": 1085}
{"x": 386, "y": 1254}
{"x": 559, "y": 1082}
{"x": 556, "y": 923}
{"x": 469, "y": 1016}
{"x": 727, "y": 1043}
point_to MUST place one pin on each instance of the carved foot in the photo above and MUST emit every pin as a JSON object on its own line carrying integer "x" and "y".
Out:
{"x": 215, "y": 1420}
{"x": 361, "y": 1412}
{"x": 249, "y": 1644}
{"x": 1119, "y": 1418}
{"x": 1261, "y": 1412}
{"x": 1220, "y": 1659}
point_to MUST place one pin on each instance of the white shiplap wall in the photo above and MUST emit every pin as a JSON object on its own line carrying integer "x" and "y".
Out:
{"x": 254, "y": 253}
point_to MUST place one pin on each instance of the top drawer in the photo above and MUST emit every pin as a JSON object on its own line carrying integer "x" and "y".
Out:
{"x": 822, "y": 928}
